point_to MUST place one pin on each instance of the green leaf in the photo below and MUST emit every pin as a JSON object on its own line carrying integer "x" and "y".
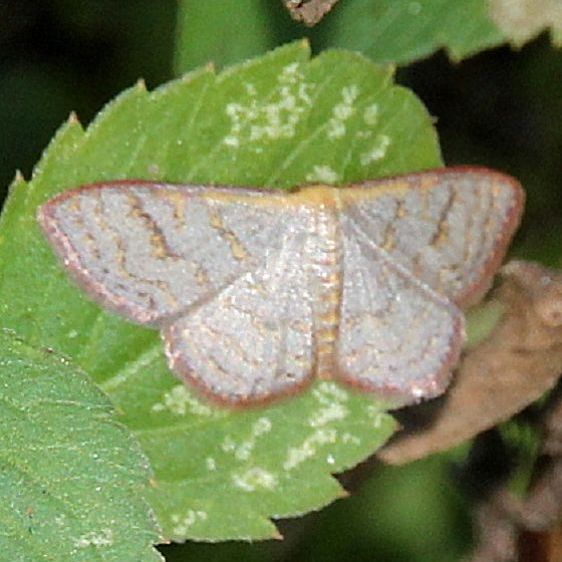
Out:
{"x": 72, "y": 479}
{"x": 221, "y": 32}
{"x": 277, "y": 121}
{"x": 402, "y": 31}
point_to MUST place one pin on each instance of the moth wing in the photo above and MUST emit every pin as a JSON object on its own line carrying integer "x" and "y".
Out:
{"x": 449, "y": 227}
{"x": 254, "y": 341}
{"x": 150, "y": 251}
{"x": 397, "y": 337}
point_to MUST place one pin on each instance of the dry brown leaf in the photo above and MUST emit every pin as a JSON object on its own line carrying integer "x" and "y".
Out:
{"x": 497, "y": 534}
{"x": 309, "y": 12}
{"x": 510, "y": 528}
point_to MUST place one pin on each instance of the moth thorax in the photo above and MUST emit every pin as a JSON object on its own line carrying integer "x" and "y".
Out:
{"x": 326, "y": 263}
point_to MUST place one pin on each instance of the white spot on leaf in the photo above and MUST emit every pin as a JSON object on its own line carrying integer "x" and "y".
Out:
{"x": 322, "y": 174}
{"x": 228, "y": 445}
{"x": 376, "y": 416}
{"x": 333, "y": 412}
{"x": 263, "y": 425}
{"x": 342, "y": 112}
{"x": 250, "y": 89}
{"x": 101, "y": 538}
{"x": 243, "y": 450}
{"x": 327, "y": 391}
{"x": 182, "y": 523}
{"x": 331, "y": 399}
{"x": 309, "y": 447}
{"x": 257, "y": 120}
{"x": 371, "y": 114}
{"x": 377, "y": 151}
{"x": 255, "y": 478}
{"x": 179, "y": 401}
{"x": 349, "y": 438}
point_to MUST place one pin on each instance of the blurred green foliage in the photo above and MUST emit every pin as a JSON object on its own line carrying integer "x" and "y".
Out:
{"x": 60, "y": 56}
{"x": 500, "y": 108}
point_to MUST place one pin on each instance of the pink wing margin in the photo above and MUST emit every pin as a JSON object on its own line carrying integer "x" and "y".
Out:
{"x": 94, "y": 228}
{"x": 474, "y": 292}
{"x": 510, "y": 218}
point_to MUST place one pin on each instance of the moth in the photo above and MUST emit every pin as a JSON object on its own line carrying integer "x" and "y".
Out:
{"x": 256, "y": 293}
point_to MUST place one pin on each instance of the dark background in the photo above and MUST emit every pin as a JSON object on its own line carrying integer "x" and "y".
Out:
{"x": 500, "y": 108}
